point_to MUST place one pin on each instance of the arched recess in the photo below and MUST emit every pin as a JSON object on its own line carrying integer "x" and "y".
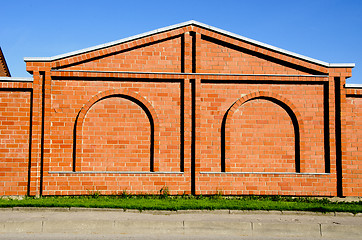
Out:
{"x": 121, "y": 94}
{"x": 282, "y": 102}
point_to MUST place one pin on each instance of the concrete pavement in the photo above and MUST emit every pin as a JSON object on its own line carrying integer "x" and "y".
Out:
{"x": 81, "y": 223}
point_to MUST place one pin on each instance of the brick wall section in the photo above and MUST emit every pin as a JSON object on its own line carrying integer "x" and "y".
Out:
{"x": 92, "y": 128}
{"x": 105, "y": 125}
{"x": 15, "y": 105}
{"x": 352, "y": 159}
{"x": 219, "y": 57}
{"x": 115, "y": 137}
{"x": 216, "y": 99}
{"x": 164, "y": 56}
{"x": 261, "y": 139}
{"x": 306, "y": 100}
{"x": 166, "y": 102}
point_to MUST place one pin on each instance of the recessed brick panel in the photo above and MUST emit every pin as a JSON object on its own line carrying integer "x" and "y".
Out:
{"x": 115, "y": 136}
{"x": 352, "y": 161}
{"x": 262, "y": 139}
{"x": 115, "y": 133}
{"x": 14, "y": 142}
{"x": 216, "y": 99}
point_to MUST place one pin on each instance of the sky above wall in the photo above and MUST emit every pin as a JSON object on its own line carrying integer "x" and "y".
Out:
{"x": 326, "y": 30}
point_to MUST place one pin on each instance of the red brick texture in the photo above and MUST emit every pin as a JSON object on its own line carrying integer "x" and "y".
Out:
{"x": 163, "y": 56}
{"x": 114, "y": 135}
{"x": 352, "y": 158}
{"x": 15, "y": 108}
{"x": 260, "y": 136}
{"x": 189, "y": 109}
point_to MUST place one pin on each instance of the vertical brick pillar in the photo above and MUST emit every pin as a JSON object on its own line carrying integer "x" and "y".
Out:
{"x": 187, "y": 131}
{"x": 46, "y": 134}
{"x": 189, "y": 164}
{"x": 35, "y": 161}
{"x": 343, "y": 120}
{"x": 197, "y": 52}
{"x": 197, "y": 111}
{"x": 197, "y": 138}
{"x": 332, "y": 135}
{"x": 336, "y": 106}
{"x": 187, "y": 52}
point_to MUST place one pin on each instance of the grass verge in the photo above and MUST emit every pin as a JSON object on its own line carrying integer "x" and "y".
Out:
{"x": 174, "y": 203}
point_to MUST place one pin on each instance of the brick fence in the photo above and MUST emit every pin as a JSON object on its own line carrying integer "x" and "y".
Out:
{"x": 189, "y": 107}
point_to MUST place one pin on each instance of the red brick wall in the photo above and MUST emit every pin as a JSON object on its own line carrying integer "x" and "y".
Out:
{"x": 219, "y": 57}
{"x": 164, "y": 56}
{"x": 14, "y": 138}
{"x": 352, "y": 158}
{"x": 261, "y": 139}
{"x": 115, "y": 137}
{"x": 216, "y": 99}
{"x": 251, "y": 121}
{"x": 115, "y": 134}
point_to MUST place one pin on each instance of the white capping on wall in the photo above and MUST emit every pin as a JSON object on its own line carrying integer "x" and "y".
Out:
{"x": 195, "y": 23}
{"x": 16, "y": 79}
{"x": 353, "y": 85}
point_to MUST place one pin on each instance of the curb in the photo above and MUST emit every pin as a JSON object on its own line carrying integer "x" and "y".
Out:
{"x": 167, "y": 212}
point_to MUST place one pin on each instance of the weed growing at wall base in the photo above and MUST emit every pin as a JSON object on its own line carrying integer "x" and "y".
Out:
{"x": 187, "y": 202}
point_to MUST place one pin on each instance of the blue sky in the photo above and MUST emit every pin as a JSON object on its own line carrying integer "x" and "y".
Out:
{"x": 327, "y": 30}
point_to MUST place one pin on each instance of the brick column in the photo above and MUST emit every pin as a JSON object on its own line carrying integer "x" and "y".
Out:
{"x": 35, "y": 161}
{"x": 343, "y": 135}
{"x": 187, "y": 53}
{"x": 46, "y": 129}
{"x": 197, "y": 52}
{"x": 197, "y": 157}
{"x": 187, "y": 131}
{"x": 332, "y": 135}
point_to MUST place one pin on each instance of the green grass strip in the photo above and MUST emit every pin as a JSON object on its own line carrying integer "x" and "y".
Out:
{"x": 174, "y": 203}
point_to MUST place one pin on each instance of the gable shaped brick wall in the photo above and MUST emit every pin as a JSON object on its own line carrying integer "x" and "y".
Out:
{"x": 193, "y": 109}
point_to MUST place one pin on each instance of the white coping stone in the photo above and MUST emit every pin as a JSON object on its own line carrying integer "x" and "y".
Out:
{"x": 353, "y": 85}
{"x": 192, "y": 22}
{"x": 16, "y": 79}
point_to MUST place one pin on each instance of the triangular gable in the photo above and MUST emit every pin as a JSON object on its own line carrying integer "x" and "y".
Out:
{"x": 162, "y": 50}
{"x": 159, "y": 56}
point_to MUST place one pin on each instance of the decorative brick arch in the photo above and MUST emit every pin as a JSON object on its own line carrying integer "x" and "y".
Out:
{"x": 121, "y": 93}
{"x": 275, "y": 98}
